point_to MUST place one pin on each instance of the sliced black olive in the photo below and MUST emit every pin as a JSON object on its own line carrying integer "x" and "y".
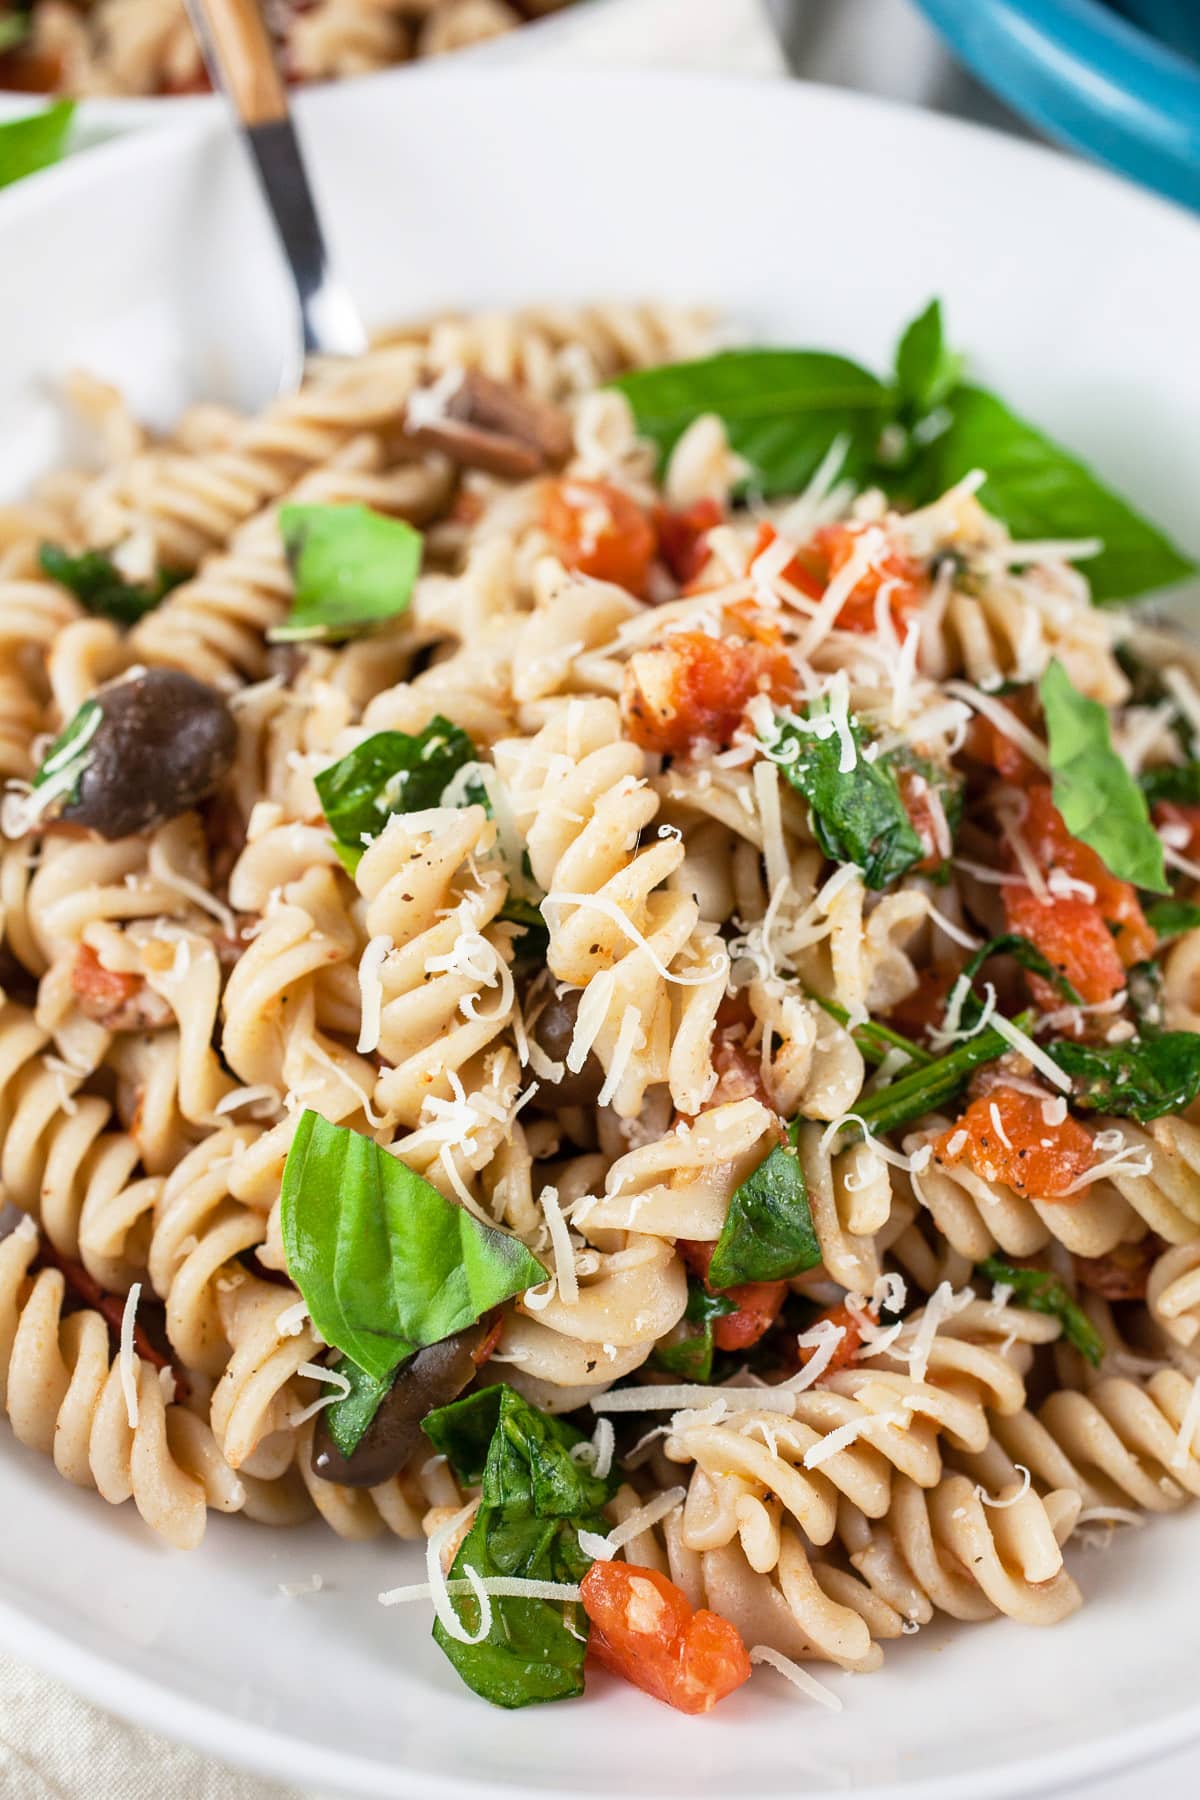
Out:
{"x": 163, "y": 743}
{"x": 429, "y": 1378}
{"x": 553, "y": 1030}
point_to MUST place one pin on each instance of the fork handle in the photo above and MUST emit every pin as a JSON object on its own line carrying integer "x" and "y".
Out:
{"x": 241, "y": 57}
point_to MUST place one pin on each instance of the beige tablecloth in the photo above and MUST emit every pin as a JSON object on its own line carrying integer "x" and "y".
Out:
{"x": 54, "y": 1746}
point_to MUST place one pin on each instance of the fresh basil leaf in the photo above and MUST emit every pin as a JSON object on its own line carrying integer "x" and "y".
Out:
{"x": 1041, "y": 491}
{"x": 350, "y": 1415}
{"x": 352, "y": 569}
{"x": 858, "y": 815}
{"x": 384, "y": 1262}
{"x": 535, "y": 1649}
{"x": 768, "y": 1233}
{"x": 34, "y": 142}
{"x": 1171, "y": 918}
{"x": 518, "y": 1455}
{"x": 927, "y": 370}
{"x": 390, "y": 772}
{"x": 1028, "y": 956}
{"x": 1100, "y": 802}
{"x": 1042, "y": 1292}
{"x": 1140, "y": 1079}
{"x": 100, "y": 588}
{"x": 781, "y": 410}
{"x": 1179, "y": 782}
{"x": 688, "y": 1349}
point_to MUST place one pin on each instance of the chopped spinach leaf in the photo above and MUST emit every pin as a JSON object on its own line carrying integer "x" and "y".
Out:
{"x": 535, "y": 1649}
{"x": 1044, "y": 1293}
{"x": 64, "y": 762}
{"x": 519, "y": 1456}
{"x": 384, "y": 1262}
{"x": 1179, "y": 782}
{"x": 352, "y": 569}
{"x": 390, "y": 772}
{"x": 99, "y": 586}
{"x": 858, "y": 814}
{"x": 768, "y": 1234}
{"x": 688, "y": 1351}
{"x": 1140, "y": 1079}
{"x": 1100, "y": 802}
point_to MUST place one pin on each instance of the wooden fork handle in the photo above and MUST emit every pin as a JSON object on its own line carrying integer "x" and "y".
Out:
{"x": 235, "y": 38}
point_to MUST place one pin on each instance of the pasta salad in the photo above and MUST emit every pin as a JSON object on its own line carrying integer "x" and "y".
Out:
{"x": 601, "y": 966}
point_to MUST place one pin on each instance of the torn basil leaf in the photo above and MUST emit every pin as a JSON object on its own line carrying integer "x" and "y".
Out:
{"x": 781, "y": 409}
{"x": 1042, "y": 1292}
{"x": 519, "y": 1456}
{"x": 101, "y": 589}
{"x": 390, "y": 772}
{"x": 858, "y": 815}
{"x": 687, "y": 1351}
{"x": 1100, "y": 802}
{"x": 1140, "y": 1079}
{"x": 1040, "y": 491}
{"x": 34, "y": 142}
{"x": 351, "y": 568}
{"x": 60, "y": 769}
{"x": 349, "y": 1416}
{"x": 927, "y": 370}
{"x": 384, "y": 1262}
{"x": 768, "y": 1234}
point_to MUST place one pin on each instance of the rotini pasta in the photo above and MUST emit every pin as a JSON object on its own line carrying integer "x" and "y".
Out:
{"x": 611, "y": 1043}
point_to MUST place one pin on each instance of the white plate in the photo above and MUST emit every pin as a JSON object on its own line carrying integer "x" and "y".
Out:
{"x": 811, "y": 216}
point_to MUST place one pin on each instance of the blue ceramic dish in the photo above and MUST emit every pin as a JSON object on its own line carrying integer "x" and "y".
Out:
{"x": 1094, "y": 78}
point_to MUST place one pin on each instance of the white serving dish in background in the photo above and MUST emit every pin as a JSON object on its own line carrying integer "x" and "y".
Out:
{"x": 809, "y": 216}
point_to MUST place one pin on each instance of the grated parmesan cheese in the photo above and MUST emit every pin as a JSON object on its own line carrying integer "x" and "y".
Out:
{"x": 603, "y": 1549}
{"x": 370, "y": 987}
{"x": 126, "y": 1356}
{"x": 336, "y": 1380}
{"x": 799, "y": 1678}
{"x": 630, "y": 1037}
{"x": 981, "y": 1492}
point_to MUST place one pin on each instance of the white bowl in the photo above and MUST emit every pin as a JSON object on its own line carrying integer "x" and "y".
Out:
{"x": 810, "y": 216}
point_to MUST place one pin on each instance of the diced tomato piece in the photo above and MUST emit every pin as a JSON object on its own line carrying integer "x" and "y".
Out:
{"x": 1005, "y": 1138}
{"x": 1071, "y": 934}
{"x": 848, "y": 1345}
{"x": 599, "y": 530}
{"x": 694, "y": 687}
{"x": 1116, "y": 901}
{"x": 806, "y": 571}
{"x": 905, "y": 578}
{"x": 757, "y": 1302}
{"x": 1123, "y": 1273}
{"x": 644, "y": 1629}
{"x": 683, "y": 537}
{"x": 103, "y": 994}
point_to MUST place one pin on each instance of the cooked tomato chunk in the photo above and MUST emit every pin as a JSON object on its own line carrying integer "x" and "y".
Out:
{"x": 693, "y": 688}
{"x": 1005, "y": 1138}
{"x": 599, "y": 530}
{"x": 683, "y": 537}
{"x": 644, "y": 1629}
{"x": 757, "y": 1303}
{"x": 848, "y": 1345}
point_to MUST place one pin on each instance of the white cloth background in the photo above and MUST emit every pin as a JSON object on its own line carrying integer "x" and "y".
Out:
{"x": 54, "y": 1746}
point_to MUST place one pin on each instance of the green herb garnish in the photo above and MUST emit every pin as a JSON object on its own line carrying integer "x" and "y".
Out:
{"x": 100, "y": 588}
{"x": 1044, "y": 1293}
{"x": 1100, "y": 802}
{"x": 688, "y": 1351}
{"x": 768, "y": 1234}
{"x": 384, "y": 1262}
{"x": 1171, "y": 918}
{"x": 391, "y": 772}
{"x": 1140, "y": 1079}
{"x": 857, "y": 813}
{"x": 518, "y": 1456}
{"x": 352, "y": 569}
{"x": 351, "y": 1413}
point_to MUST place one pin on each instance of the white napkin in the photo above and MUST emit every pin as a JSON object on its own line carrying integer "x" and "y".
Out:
{"x": 54, "y": 1746}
